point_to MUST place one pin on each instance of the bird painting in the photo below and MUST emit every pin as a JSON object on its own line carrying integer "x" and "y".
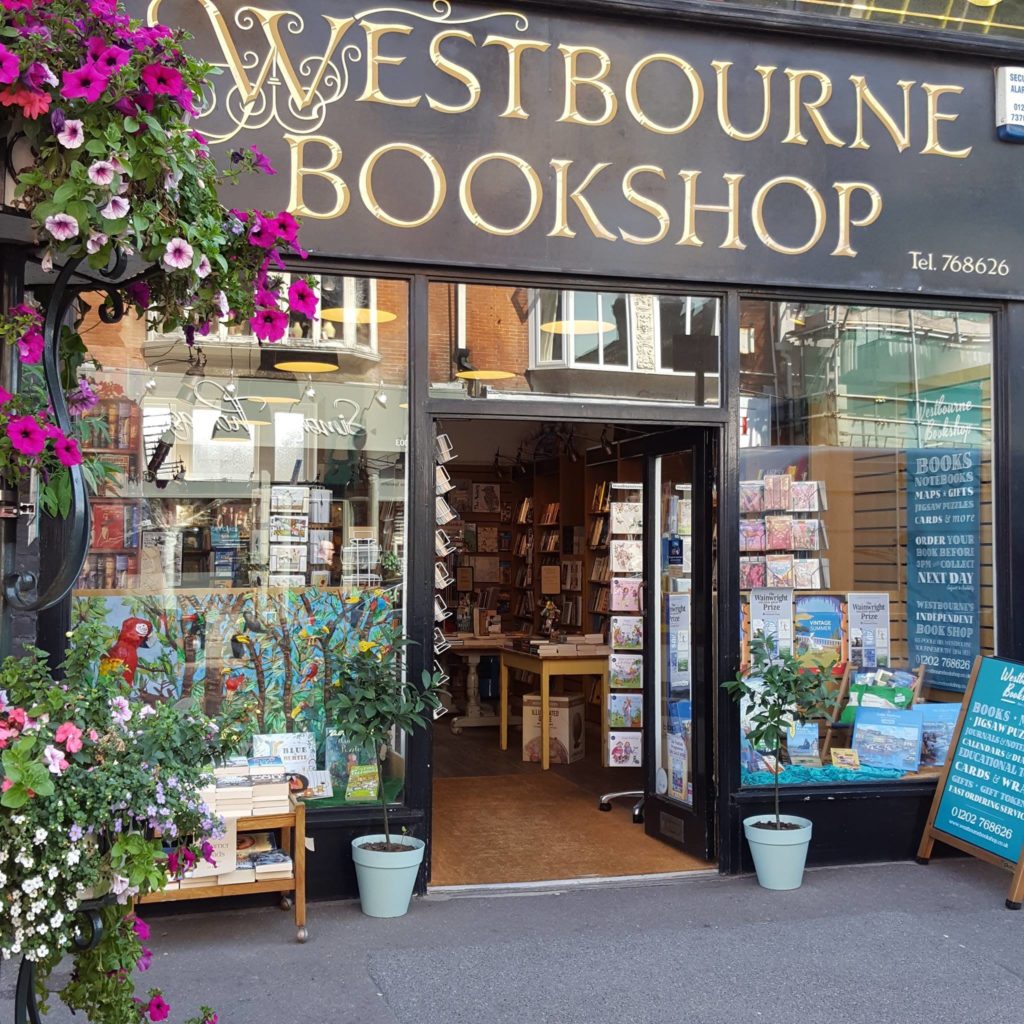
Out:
{"x": 124, "y": 654}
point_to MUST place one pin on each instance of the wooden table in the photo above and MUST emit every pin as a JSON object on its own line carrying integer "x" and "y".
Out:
{"x": 548, "y": 669}
{"x": 293, "y": 842}
{"x": 471, "y": 649}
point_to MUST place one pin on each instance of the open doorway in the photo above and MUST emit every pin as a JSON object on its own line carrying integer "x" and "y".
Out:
{"x": 567, "y": 560}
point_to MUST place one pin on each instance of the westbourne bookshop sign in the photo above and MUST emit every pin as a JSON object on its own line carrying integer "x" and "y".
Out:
{"x": 481, "y": 135}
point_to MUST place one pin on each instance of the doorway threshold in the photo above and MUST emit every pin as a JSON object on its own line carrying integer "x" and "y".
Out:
{"x": 559, "y": 886}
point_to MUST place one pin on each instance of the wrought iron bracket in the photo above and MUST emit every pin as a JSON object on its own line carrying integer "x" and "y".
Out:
{"x": 23, "y": 590}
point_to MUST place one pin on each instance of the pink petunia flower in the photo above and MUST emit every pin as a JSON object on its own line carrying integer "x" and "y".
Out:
{"x": 157, "y": 1009}
{"x": 178, "y": 254}
{"x": 96, "y": 241}
{"x": 261, "y": 161}
{"x": 69, "y": 454}
{"x": 203, "y": 268}
{"x": 54, "y": 760}
{"x": 71, "y": 136}
{"x": 38, "y": 74}
{"x": 62, "y": 226}
{"x": 30, "y": 347}
{"x": 85, "y": 83}
{"x": 70, "y": 735}
{"x": 116, "y": 209}
{"x": 162, "y": 80}
{"x": 141, "y": 929}
{"x": 5, "y": 396}
{"x": 112, "y": 59}
{"x": 8, "y": 65}
{"x": 263, "y": 232}
{"x": 101, "y": 172}
{"x": 25, "y": 434}
{"x": 287, "y": 226}
{"x": 94, "y": 46}
{"x": 145, "y": 960}
{"x": 301, "y": 298}
{"x": 269, "y": 324}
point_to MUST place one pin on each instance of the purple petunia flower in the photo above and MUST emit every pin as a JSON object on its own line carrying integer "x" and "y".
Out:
{"x": 115, "y": 209}
{"x": 75, "y": 833}
{"x": 178, "y": 254}
{"x": 95, "y": 241}
{"x": 112, "y": 59}
{"x": 139, "y": 293}
{"x": 261, "y": 161}
{"x": 269, "y": 324}
{"x": 203, "y": 267}
{"x": 101, "y": 172}
{"x": 62, "y": 226}
{"x": 38, "y": 74}
{"x": 57, "y": 120}
{"x": 72, "y": 135}
{"x": 8, "y": 65}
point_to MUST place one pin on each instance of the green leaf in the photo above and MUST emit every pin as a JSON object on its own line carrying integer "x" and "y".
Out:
{"x": 131, "y": 125}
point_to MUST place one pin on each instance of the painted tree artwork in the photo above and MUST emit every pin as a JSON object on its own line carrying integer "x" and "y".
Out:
{"x": 276, "y": 646}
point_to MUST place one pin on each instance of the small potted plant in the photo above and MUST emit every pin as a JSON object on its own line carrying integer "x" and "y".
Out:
{"x": 778, "y": 691}
{"x": 370, "y": 700}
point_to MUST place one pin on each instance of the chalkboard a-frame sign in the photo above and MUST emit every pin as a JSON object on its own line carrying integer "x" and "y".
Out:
{"x": 979, "y": 801}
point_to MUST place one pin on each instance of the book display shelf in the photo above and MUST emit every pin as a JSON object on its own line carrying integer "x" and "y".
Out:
{"x": 292, "y": 826}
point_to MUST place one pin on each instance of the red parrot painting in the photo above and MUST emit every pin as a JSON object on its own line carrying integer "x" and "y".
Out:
{"x": 134, "y": 634}
{"x": 310, "y": 675}
{"x": 233, "y": 682}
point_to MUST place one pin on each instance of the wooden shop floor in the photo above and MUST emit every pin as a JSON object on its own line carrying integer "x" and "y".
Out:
{"x": 498, "y": 819}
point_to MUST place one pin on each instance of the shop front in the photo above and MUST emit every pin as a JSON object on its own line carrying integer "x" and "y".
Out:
{"x": 640, "y": 331}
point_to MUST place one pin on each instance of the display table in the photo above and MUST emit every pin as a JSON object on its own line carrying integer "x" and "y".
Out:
{"x": 293, "y": 842}
{"x": 548, "y": 668}
{"x": 471, "y": 649}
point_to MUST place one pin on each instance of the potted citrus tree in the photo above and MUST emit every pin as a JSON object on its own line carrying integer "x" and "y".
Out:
{"x": 777, "y": 691}
{"x": 370, "y": 700}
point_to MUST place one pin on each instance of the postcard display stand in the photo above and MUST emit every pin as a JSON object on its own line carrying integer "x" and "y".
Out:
{"x": 443, "y": 579}
{"x": 623, "y": 735}
{"x": 293, "y": 889}
{"x": 782, "y": 534}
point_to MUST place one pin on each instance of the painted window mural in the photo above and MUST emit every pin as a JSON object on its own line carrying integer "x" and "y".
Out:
{"x": 254, "y": 537}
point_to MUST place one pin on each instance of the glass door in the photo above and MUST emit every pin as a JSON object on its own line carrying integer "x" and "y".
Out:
{"x": 679, "y": 654}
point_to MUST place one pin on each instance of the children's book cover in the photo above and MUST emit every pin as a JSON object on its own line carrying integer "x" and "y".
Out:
{"x": 627, "y": 632}
{"x": 626, "y": 671}
{"x": 818, "y": 629}
{"x": 624, "y": 749}
{"x": 627, "y": 517}
{"x": 625, "y": 595}
{"x": 625, "y": 711}
{"x": 626, "y": 556}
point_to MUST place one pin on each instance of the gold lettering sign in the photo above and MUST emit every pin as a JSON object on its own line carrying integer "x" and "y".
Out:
{"x": 596, "y": 161}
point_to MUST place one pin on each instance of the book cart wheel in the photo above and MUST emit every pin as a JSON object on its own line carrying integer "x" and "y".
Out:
{"x": 456, "y": 730}
{"x": 301, "y": 935}
{"x": 286, "y": 903}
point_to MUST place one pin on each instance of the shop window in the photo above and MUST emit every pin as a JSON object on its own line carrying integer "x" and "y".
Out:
{"x": 544, "y": 341}
{"x": 866, "y": 524}
{"x": 257, "y": 519}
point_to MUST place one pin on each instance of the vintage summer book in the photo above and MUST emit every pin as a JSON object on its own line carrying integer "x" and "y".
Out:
{"x": 888, "y": 739}
{"x": 626, "y": 671}
{"x": 779, "y": 570}
{"x": 752, "y": 573}
{"x": 625, "y": 710}
{"x": 818, "y": 629}
{"x": 778, "y": 533}
{"x": 751, "y": 496}
{"x": 752, "y": 535}
{"x": 625, "y": 595}
{"x": 363, "y": 784}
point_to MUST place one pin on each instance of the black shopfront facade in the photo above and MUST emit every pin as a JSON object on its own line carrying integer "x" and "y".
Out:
{"x": 770, "y": 160}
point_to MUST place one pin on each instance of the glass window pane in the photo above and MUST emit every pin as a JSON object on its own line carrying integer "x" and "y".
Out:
{"x": 585, "y": 327}
{"x": 257, "y": 516}
{"x": 615, "y": 339}
{"x": 866, "y": 528}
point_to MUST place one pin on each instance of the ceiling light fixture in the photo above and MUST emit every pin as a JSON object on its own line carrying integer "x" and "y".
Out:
{"x": 305, "y": 361}
{"x": 577, "y": 326}
{"x": 382, "y": 395}
{"x": 605, "y": 443}
{"x": 357, "y": 315}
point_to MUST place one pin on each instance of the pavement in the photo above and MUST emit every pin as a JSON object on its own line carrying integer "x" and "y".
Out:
{"x": 877, "y": 944}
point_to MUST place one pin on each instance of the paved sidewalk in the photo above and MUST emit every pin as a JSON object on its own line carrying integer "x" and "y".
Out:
{"x": 885, "y": 944}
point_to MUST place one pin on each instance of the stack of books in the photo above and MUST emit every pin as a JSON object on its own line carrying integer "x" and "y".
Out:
{"x": 273, "y": 864}
{"x": 270, "y": 794}
{"x": 234, "y": 796}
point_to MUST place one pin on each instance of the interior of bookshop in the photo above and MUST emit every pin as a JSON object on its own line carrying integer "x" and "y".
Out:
{"x": 257, "y": 522}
